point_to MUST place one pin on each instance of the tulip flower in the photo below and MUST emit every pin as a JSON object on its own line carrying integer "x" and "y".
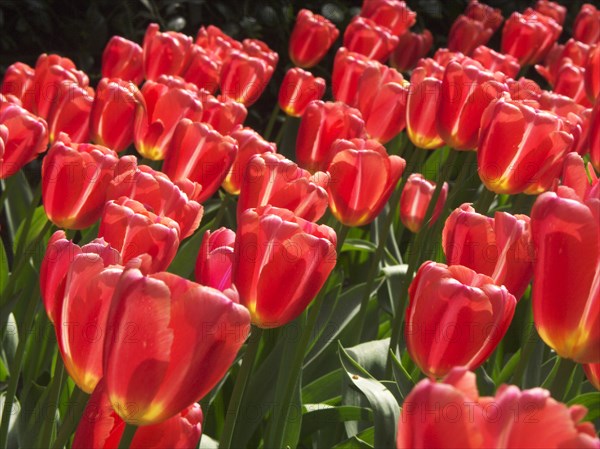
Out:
{"x": 203, "y": 70}
{"x": 183, "y": 336}
{"x": 467, "y": 89}
{"x": 586, "y": 28}
{"x": 113, "y": 114}
{"x": 214, "y": 263}
{"x": 358, "y": 163}
{"x": 216, "y": 42}
{"x": 570, "y": 82}
{"x": 74, "y": 182}
{"x": 594, "y": 136}
{"x": 414, "y": 202}
{"x": 249, "y": 143}
{"x": 520, "y": 147}
{"x": 566, "y": 295}
{"x": 311, "y": 38}
{"x": 323, "y": 123}
{"x": 223, "y": 114}
{"x": 347, "y": 70}
{"x": 158, "y": 193}
{"x": 281, "y": 262}
{"x": 157, "y": 117}
{"x": 382, "y": 97}
{"x": 101, "y": 427}
{"x": 22, "y": 137}
{"x": 466, "y": 34}
{"x": 524, "y": 89}
{"x": 488, "y": 16}
{"x": 422, "y": 105}
{"x": 123, "y": 59}
{"x": 592, "y": 372}
{"x": 70, "y": 113}
{"x": 244, "y": 77}
{"x": 411, "y": 47}
{"x": 529, "y": 36}
{"x": 200, "y": 154}
{"x": 574, "y": 51}
{"x": 365, "y": 37}
{"x": 18, "y": 81}
{"x": 50, "y": 71}
{"x": 165, "y": 53}
{"x": 392, "y": 14}
{"x": 498, "y": 247}
{"x": 133, "y": 230}
{"x": 259, "y": 49}
{"x": 592, "y": 73}
{"x": 298, "y": 89}
{"x": 496, "y": 62}
{"x": 272, "y": 179}
{"x": 456, "y": 317}
{"x": 552, "y": 9}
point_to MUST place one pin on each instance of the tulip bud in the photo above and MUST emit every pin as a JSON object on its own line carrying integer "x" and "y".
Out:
{"x": 18, "y": 81}
{"x": 214, "y": 263}
{"x": 365, "y": 37}
{"x": 570, "y": 82}
{"x": 552, "y": 9}
{"x": 70, "y": 113}
{"x": 216, "y": 42}
{"x": 311, "y": 38}
{"x": 358, "y": 163}
{"x": 165, "y": 53}
{"x": 74, "y": 182}
{"x": 414, "y": 202}
{"x": 488, "y": 16}
{"x": 466, "y": 34}
{"x": 586, "y": 27}
{"x": 185, "y": 338}
{"x": 281, "y": 262}
{"x": 456, "y": 317}
{"x": 123, "y": 59}
{"x": 244, "y": 77}
{"x": 203, "y": 70}
{"x": 223, "y": 114}
{"x": 298, "y": 89}
{"x": 272, "y": 179}
{"x": 496, "y": 62}
{"x": 411, "y": 47}
{"x": 347, "y": 70}
{"x": 392, "y": 14}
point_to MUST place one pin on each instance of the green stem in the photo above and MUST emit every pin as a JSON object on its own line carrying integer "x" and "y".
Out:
{"x": 271, "y": 123}
{"x": 77, "y": 403}
{"x": 4, "y": 194}
{"x": 27, "y": 225}
{"x": 485, "y": 201}
{"x": 560, "y": 383}
{"x": 52, "y": 402}
{"x": 240, "y": 387}
{"x": 127, "y": 436}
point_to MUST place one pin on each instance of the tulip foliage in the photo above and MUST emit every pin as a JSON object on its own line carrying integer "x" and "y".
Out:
{"x": 404, "y": 254}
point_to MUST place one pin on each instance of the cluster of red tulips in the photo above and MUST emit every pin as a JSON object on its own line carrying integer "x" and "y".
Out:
{"x": 148, "y": 343}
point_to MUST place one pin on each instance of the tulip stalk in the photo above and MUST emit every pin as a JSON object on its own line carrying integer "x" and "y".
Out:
{"x": 78, "y": 400}
{"x": 561, "y": 381}
{"x": 52, "y": 402}
{"x": 128, "y": 435}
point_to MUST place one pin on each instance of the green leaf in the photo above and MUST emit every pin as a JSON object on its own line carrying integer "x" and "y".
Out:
{"x": 385, "y": 408}
{"x": 18, "y": 200}
{"x": 509, "y": 368}
{"x": 324, "y": 388}
{"x": 358, "y": 245}
{"x": 317, "y": 416}
{"x": 207, "y": 442}
{"x": 38, "y": 222}
{"x": 3, "y": 267}
{"x": 591, "y": 401}
{"x": 401, "y": 376}
{"x": 363, "y": 440}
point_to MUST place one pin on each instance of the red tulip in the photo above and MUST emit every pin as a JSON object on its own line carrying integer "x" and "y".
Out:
{"x": 203, "y": 70}
{"x": 70, "y": 113}
{"x": 74, "y": 182}
{"x": 200, "y": 154}
{"x": 576, "y": 52}
{"x": 575, "y": 176}
{"x": 18, "y": 81}
{"x": 113, "y": 113}
{"x": 281, "y": 262}
{"x": 490, "y": 17}
{"x": 414, "y": 202}
{"x": 586, "y": 28}
{"x": 552, "y": 9}
{"x": 356, "y": 164}
{"x": 165, "y": 53}
{"x": 520, "y": 147}
{"x": 311, "y": 38}
{"x": 157, "y": 193}
{"x": 594, "y": 136}
{"x": 183, "y": 336}
{"x": 160, "y": 112}
{"x": 133, "y": 230}
{"x": 592, "y": 73}
{"x": 322, "y": 124}
{"x": 467, "y": 89}
{"x": 244, "y": 77}
{"x": 570, "y": 82}
{"x": 466, "y": 34}
{"x": 382, "y": 97}
{"x": 272, "y": 179}
{"x": 214, "y": 263}
{"x": 259, "y": 49}
{"x": 223, "y": 114}
{"x": 498, "y": 247}
{"x": 592, "y": 372}
{"x": 365, "y": 37}
{"x": 216, "y": 42}
{"x": 456, "y": 317}
{"x": 411, "y": 47}
{"x": 101, "y": 427}
{"x": 22, "y": 137}
{"x": 529, "y": 36}
{"x": 249, "y": 143}
{"x": 525, "y": 90}
{"x": 496, "y": 62}
{"x": 298, "y": 89}
{"x": 422, "y": 105}
{"x": 123, "y": 59}
{"x": 392, "y": 14}
{"x": 347, "y": 70}
{"x": 566, "y": 291}
{"x": 50, "y": 71}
